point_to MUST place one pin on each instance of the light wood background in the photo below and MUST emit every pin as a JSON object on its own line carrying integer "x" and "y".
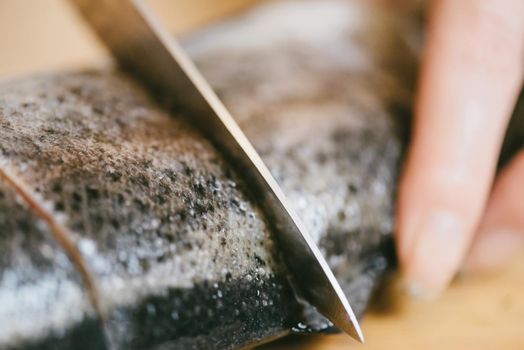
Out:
{"x": 483, "y": 312}
{"x": 477, "y": 312}
{"x": 43, "y": 35}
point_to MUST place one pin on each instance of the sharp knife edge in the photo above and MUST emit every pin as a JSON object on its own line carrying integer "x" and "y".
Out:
{"x": 142, "y": 46}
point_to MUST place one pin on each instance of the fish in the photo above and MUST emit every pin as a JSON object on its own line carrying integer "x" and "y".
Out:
{"x": 124, "y": 228}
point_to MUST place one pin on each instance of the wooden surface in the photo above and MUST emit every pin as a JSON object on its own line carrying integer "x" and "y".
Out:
{"x": 476, "y": 313}
{"x": 42, "y": 35}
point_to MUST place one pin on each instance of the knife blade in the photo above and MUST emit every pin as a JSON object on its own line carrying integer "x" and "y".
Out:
{"x": 143, "y": 47}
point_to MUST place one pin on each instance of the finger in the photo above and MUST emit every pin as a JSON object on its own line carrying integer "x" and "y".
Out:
{"x": 471, "y": 73}
{"x": 501, "y": 232}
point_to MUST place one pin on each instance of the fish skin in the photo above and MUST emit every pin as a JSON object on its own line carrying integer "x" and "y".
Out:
{"x": 163, "y": 224}
{"x": 179, "y": 251}
{"x": 323, "y": 91}
{"x": 34, "y": 270}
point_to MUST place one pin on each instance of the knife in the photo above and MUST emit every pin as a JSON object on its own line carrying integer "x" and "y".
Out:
{"x": 143, "y": 47}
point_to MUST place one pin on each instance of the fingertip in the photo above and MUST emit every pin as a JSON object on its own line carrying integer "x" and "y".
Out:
{"x": 493, "y": 250}
{"x": 501, "y": 232}
{"x": 436, "y": 255}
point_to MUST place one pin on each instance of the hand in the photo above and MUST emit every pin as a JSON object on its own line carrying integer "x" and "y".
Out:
{"x": 452, "y": 210}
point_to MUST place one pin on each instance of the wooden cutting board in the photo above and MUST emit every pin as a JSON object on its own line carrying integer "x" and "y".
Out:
{"x": 475, "y": 313}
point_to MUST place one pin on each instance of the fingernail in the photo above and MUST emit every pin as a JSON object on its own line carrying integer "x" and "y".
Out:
{"x": 493, "y": 249}
{"x": 420, "y": 292}
{"x": 436, "y": 255}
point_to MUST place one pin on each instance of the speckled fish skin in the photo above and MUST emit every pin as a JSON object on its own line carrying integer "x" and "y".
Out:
{"x": 39, "y": 288}
{"x": 179, "y": 252}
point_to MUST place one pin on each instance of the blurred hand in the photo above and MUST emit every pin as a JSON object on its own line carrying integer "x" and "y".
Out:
{"x": 452, "y": 211}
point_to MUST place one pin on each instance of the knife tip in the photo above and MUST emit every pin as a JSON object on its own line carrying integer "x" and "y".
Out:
{"x": 348, "y": 322}
{"x": 353, "y": 329}
{"x": 359, "y": 335}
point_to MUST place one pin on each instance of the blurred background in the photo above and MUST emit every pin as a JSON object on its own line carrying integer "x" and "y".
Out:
{"x": 46, "y": 34}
